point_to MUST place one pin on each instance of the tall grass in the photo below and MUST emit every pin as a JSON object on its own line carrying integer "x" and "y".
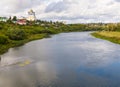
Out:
{"x": 110, "y": 36}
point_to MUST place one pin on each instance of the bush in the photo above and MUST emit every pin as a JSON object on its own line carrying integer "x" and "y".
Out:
{"x": 40, "y": 31}
{"x": 1, "y": 27}
{"x": 3, "y": 39}
{"x": 16, "y": 34}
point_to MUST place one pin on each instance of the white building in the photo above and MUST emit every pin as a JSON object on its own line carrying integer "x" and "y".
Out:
{"x": 3, "y": 19}
{"x": 31, "y": 15}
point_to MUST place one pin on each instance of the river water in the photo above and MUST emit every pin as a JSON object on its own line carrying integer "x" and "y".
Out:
{"x": 65, "y": 60}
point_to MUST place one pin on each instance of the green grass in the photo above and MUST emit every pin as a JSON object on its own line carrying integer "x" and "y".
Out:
{"x": 110, "y": 36}
{"x": 4, "y": 47}
{"x": 14, "y": 43}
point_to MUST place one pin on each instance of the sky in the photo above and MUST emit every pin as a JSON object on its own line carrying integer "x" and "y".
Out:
{"x": 69, "y": 11}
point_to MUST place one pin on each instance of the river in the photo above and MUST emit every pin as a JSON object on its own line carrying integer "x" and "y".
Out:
{"x": 65, "y": 60}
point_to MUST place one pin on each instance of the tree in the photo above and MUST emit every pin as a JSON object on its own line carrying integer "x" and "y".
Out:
{"x": 9, "y": 20}
{"x": 14, "y": 18}
{"x": 3, "y": 39}
{"x": 16, "y": 34}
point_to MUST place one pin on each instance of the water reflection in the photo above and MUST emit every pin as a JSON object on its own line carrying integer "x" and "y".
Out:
{"x": 31, "y": 75}
{"x": 65, "y": 60}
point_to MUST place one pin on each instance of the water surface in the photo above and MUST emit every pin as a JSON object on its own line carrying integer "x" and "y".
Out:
{"x": 65, "y": 60}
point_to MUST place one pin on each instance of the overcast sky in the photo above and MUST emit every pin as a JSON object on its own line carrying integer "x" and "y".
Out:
{"x": 71, "y": 11}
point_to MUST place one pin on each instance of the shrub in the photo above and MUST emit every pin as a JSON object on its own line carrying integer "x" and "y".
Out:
{"x": 3, "y": 39}
{"x": 40, "y": 31}
{"x": 16, "y": 34}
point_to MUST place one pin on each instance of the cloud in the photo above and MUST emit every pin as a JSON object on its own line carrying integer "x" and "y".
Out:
{"x": 65, "y": 10}
{"x": 56, "y": 7}
{"x": 117, "y": 0}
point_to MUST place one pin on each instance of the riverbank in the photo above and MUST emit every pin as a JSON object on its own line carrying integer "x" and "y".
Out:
{"x": 110, "y": 36}
{"x": 4, "y": 47}
{"x": 12, "y": 35}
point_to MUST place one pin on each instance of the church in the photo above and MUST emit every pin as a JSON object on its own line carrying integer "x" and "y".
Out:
{"x": 23, "y": 20}
{"x": 31, "y": 15}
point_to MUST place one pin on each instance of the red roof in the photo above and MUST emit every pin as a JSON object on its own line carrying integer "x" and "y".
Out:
{"x": 22, "y": 21}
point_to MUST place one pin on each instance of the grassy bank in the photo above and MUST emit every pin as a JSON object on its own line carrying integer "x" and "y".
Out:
{"x": 12, "y": 35}
{"x": 110, "y": 36}
{"x": 4, "y": 47}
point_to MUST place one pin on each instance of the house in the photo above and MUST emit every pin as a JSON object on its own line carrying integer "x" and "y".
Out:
{"x": 21, "y": 21}
{"x": 3, "y": 19}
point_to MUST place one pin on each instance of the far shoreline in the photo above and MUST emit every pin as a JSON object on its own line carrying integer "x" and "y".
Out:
{"x": 108, "y": 35}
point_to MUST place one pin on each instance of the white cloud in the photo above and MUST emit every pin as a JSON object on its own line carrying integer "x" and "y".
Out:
{"x": 75, "y": 11}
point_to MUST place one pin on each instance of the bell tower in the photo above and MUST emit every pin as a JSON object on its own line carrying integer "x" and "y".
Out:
{"x": 31, "y": 15}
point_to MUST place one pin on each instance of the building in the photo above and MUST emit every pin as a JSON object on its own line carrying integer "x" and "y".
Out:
{"x": 3, "y": 19}
{"x": 21, "y": 21}
{"x": 31, "y": 15}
